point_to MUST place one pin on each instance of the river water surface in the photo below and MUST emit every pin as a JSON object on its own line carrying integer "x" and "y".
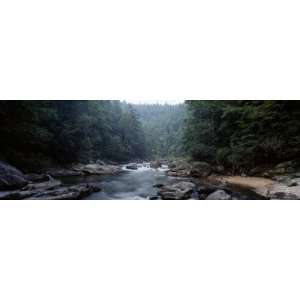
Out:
{"x": 129, "y": 184}
{"x": 136, "y": 184}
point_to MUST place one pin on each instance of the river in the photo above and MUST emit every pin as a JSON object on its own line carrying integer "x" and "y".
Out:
{"x": 129, "y": 184}
{"x": 136, "y": 184}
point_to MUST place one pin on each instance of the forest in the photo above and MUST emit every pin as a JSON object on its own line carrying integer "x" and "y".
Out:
{"x": 236, "y": 134}
{"x": 38, "y": 134}
{"x": 243, "y": 134}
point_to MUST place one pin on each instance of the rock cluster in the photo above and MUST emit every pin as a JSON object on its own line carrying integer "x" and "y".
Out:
{"x": 178, "y": 191}
{"x": 196, "y": 169}
{"x": 51, "y": 190}
{"x": 98, "y": 168}
{"x": 15, "y": 185}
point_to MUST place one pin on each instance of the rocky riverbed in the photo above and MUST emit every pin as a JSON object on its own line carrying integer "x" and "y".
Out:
{"x": 166, "y": 180}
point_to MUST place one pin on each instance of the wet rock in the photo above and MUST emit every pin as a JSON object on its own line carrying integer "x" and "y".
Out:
{"x": 132, "y": 166}
{"x": 283, "y": 191}
{"x": 64, "y": 172}
{"x": 74, "y": 192}
{"x": 155, "y": 164}
{"x": 292, "y": 183}
{"x": 178, "y": 191}
{"x": 96, "y": 169}
{"x": 178, "y": 173}
{"x": 205, "y": 190}
{"x": 179, "y": 169}
{"x": 38, "y": 177}
{"x": 219, "y": 195}
{"x": 10, "y": 177}
{"x": 46, "y": 185}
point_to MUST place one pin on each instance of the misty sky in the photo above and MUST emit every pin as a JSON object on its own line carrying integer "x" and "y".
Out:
{"x": 154, "y": 101}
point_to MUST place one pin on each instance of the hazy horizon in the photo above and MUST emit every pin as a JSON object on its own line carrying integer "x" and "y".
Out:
{"x": 171, "y": 102}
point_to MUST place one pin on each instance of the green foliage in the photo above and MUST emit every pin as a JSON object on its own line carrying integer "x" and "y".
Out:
{"x": 163, "y": 128}
{"x": 242, "y": 134}
{"x": 40, "y": 133}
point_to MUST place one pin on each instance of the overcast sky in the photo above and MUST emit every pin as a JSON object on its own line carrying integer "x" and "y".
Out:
{"x": 154, "y": 101}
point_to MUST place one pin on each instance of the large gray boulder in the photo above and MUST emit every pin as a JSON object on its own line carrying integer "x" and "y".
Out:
{"x": 218, "y": 195}
{"x": 178, "y": 191}
{"x": 10, "y": 177}
{"x": 74, "y": 192}
{"x": 54, "y": 191}
{"x": 96, "y": 169}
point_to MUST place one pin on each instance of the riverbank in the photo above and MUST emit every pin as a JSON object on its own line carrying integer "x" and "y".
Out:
{"x": 176, "y": 179}
{"x": 281, "y": 181}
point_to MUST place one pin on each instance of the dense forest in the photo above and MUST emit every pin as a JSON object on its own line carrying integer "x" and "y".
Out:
{"x": 38, "y": 134}
{"x": 238, "y": 135}
{"x": 243, "y": 134}
{"x": 163, "y": 127}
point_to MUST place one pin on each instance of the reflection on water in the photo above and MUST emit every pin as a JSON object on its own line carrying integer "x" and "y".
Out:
{"x": 138, "y": 184}
{"x": 130, "y": 184}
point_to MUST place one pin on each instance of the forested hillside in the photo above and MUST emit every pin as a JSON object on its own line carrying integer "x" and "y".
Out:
{"x": 163, "y": 126}
{"x": 243, "y": 134}
{"x": 40, "y": 133}
{"x": 238, "y": 135}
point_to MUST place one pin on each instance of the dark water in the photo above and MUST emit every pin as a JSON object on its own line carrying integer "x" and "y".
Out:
{"x": 130, "y": 184}
{"x": 138, "y": 184}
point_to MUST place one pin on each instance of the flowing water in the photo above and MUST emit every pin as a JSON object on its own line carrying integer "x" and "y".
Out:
{"x": 136, "y": 184}
{"x": 129, "y": 184}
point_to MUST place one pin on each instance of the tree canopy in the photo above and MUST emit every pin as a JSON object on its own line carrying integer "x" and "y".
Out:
{"x": 236, "y": 134}
{"x": 243, "y": 134}
{"x": 35, "y": 133}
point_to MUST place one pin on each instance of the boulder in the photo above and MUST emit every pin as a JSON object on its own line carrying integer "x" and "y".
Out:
{"x": 10, "y": 177}
{"x": 155, "y": 164}
{"x": 284, "y": 191}
{"x": 218, "y": 195}
{"x": 178, "y": 191}
{"x": 51, "y": 190}
{"x": 44, "y": 186}
{"x": 74, "y": 192}
{"x": 205, "y": 190}
{"x": 132, "y": 166}
{"x": 96, "y": 169}
{"x": 178, "y": 173}
{"x": 64, "y": 172}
